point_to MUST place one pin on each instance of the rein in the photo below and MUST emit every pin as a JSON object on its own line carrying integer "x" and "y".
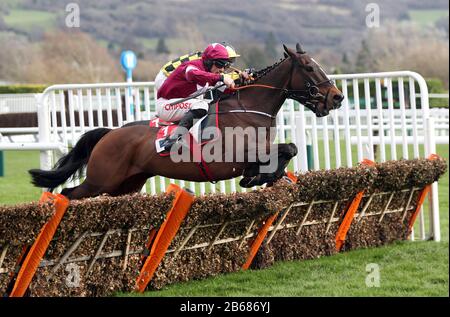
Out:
{"x": 310, "y": 96}
{"x": 245, "y": 111}
{"x": 305, "y": 96}
{"x": 261, "y": 86}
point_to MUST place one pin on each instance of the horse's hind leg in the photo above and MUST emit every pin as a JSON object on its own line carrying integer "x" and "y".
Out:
{"x": 67, "y": 191}
{"x": 132, "y": 184}
{"x": 82, "y": 191}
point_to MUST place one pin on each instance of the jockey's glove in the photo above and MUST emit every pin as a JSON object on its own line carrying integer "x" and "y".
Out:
{"x": 227, "y": 80}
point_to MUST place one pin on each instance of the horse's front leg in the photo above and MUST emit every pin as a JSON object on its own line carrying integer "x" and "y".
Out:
{"x": 271, "y": 170}
{"x": 285, "y": 153}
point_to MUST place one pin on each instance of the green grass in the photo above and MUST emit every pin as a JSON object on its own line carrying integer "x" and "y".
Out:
{"x": 15, "y": 186}
{"x": 149, "y": 43}
{"x": 406, "y": 268}
{"x": 29, "y": 19}
{"x": 426, "y": 17}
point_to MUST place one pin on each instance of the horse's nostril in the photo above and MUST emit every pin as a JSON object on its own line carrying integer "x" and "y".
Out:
{"x": 338, "y": 97}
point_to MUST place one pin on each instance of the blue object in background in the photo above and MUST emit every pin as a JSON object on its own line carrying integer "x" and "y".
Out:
{"x": 128, "y": 60}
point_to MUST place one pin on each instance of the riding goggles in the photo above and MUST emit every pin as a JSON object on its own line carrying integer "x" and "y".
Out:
{"x": 221, "y": 63}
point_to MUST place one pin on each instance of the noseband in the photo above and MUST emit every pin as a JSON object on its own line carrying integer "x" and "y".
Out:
{"x": 311, "y": 95}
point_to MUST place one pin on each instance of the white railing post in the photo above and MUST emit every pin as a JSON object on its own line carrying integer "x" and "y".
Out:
{"x": 433, "y": 199}
{"x": 430, "y": 148}
{"x": 43, "y": 130}
{"x": 301, "y": 145}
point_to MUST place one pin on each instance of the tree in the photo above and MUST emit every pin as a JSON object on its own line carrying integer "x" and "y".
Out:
{"x": 72, "y": 57}
{"x": 442, "y": 24}
{"x": 364, "y": 59}
{"x": 253, "y": 56}
{"x": 346, "y": 65}
{"x": 161, "y": 47}
{"x": 423, "y": 50}
{"x": 3, "y": 26}
{"x": 345, "y": 59}
{"x": 270, "y": 45}
{"x": 192, "y": 38}
{"x": 130, "y": 43}
{"x": 111, "y": 46}
{"x": 15, "y": 60}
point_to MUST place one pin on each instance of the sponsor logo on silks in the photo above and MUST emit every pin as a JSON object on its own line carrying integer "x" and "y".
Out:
{"x": 181, "y": 105}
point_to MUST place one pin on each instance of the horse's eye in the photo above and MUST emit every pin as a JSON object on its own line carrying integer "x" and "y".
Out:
{"x": 309, "y": 69}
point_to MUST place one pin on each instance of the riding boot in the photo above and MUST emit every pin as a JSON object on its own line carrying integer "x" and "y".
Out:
{"x": 184, "y": 125}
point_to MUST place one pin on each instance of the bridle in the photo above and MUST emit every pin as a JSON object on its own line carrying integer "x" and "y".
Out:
{"x": 310, "y": 96}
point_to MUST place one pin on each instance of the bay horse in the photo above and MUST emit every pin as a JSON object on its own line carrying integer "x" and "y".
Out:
{"x": 119, "y": 161}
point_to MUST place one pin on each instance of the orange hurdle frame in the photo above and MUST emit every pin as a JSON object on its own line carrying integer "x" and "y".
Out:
{"x": 263, "y": 230}
{"x": 420, "y": 200}
{"x": 350, "y": 214}
{"x": 40, "y": 245}
{"x": 169, "y": 228}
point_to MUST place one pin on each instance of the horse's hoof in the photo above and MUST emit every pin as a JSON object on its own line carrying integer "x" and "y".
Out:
{"x": 248, "y": 182}
{"x": 245, "y": 181}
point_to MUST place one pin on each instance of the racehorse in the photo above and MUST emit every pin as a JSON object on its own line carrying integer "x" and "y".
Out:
{"x": 119, "y": 161}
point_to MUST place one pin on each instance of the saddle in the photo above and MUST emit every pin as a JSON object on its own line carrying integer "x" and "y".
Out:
{"x": 196, "y": 133}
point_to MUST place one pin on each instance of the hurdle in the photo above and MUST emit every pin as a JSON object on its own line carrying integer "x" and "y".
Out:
{"x": 132, "y": 243}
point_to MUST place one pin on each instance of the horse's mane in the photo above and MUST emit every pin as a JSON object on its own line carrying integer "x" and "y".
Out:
{"x": 263, "y": 72}
{"x": 256, "y": 76}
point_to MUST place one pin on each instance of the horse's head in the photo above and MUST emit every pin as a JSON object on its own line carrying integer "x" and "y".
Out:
{"x": 310, "y": 85}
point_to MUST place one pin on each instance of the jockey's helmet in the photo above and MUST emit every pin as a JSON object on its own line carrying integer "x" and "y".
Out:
{"x": 217, "y": 54}
{"x": 215, "y": 51}
{"x": 232, "y": 54}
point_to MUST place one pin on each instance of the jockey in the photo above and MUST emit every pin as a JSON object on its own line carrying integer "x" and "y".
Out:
{"x": 187, "y": 79}
{"x": 169, "y": 67}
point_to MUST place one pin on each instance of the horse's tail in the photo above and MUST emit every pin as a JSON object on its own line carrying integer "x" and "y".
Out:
{"x": 70, "y": 163}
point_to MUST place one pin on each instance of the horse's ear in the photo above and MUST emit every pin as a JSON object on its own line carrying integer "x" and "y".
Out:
{"x": 286, "y": 55}
{"x": 288, "y": 51}
{"x": 299, "y": 49}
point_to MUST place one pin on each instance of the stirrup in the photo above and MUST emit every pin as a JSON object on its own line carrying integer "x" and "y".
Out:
{"x": 166, "y": 144}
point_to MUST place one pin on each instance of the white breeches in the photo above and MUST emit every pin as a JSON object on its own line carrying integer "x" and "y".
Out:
{"x": 168, "y": 112}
